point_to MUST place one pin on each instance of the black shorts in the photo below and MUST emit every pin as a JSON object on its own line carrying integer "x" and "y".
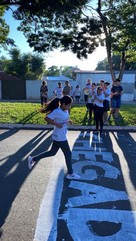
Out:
{"x": 106, "y": 105}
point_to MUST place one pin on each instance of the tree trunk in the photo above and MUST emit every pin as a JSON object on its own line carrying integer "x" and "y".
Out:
{"x": 107, "y": 40}
{"x": 122, "y": 66}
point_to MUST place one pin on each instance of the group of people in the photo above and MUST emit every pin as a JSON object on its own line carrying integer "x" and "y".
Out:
{"x": 101, "y": 99}
{"x": 68, "y": 90}
{"x": 56, "y": 111}
{"x": 60, "y": 91}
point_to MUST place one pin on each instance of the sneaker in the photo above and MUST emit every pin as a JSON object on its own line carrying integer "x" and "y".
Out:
{"x": 30, "y": 162}
{"x": 72, "y": 176}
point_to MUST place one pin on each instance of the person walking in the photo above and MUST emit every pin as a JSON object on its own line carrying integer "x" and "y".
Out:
{"x": 98, "y": 109}
{"x": 43, "y": 93}
{"x": 57, "y": 114}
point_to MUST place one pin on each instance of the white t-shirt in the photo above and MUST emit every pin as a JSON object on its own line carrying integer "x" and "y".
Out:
{"x": 62, "y": 117}
{"x": 58, "y": 91}
{"x": 100, "y": 97}
{"x": 77, "y": 92}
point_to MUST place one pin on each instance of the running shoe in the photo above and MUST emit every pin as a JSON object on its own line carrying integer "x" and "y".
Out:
{"x": 72, "y": 176}
{"x": 30, "y": 162}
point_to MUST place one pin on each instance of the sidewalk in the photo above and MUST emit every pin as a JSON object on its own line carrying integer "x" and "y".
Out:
{"x": 72, "y": 127}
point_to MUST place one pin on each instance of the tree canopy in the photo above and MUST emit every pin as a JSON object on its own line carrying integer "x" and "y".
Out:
{"x": 116, "y": 59}
{"x": 25, "y": 66}
{"x": 79, "y": 26}
{"x": 4, "y": 31}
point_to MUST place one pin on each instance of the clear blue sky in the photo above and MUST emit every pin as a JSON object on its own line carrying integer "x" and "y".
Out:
{"x": 53, "y": 58}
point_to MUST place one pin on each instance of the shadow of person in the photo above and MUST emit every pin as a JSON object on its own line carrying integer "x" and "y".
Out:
{"x": 14, "y": 171}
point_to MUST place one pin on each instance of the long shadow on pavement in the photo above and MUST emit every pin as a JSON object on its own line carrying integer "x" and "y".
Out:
{"x": 14, "y": 171}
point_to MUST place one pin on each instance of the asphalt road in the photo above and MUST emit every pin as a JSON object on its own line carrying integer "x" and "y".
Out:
{"x": 42, "y": 205}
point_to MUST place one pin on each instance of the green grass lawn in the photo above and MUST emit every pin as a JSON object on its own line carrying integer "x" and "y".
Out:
{"x": 28, "y": 113}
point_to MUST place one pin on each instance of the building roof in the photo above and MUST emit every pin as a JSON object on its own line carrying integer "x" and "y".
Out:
{"x": 102, "y": 71}
{"x": 58, "y": 78}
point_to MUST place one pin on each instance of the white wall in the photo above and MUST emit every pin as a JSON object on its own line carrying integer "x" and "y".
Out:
{"x": 33, "y": 88}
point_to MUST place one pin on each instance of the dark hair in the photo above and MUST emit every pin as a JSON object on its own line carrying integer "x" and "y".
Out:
{"x": 55, "y": 103}
{"x": 106, "y": 83}
{"x": 117, "y": 80}
{"x": 99, "y": 88}
{"x": 44, "y": 82}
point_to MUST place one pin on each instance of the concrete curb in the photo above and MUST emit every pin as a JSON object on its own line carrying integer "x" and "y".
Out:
{"x": 72, "y": 127}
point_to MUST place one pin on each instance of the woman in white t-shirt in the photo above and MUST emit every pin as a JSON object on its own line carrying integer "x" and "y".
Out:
{"x": 57, "y": 114}
{"x": 58, "y": 91}
{"x": 77, "y": 94}
{"x": 98, "y": 109}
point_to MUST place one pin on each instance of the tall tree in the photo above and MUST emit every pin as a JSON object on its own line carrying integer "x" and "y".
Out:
{"x": 80, "y": 26}
{"x": 4, "y": 31}
{"x": 56, "y": 71}
{"x": 116, "y": 59}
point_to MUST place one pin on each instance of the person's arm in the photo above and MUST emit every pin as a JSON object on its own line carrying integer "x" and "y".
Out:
{"x": 52, "y": 122}
{"x": 99, "y": 100}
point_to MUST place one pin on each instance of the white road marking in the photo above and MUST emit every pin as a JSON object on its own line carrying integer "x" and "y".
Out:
{"x": 77, "y": 219}
{"x": 46, "y": 228}
{"x": 94, "y": 194}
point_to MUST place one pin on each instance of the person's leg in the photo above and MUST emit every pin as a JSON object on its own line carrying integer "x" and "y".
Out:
{"x": 51, "y": 152}
{"x": 44, "y": 101}
{"x": 112, "y": 110}
{"x": 118, "y": 104}
{"x": 96, "y": 111}
{"x": 90, "y": 111}
{"x": 101, "y": 120}
{"x": 33, "y": 159}
{"x": 68, "y": 155}
{"x": 41, "y": 101}
{"x": 86, "y": 99}
{"x": 106, "y": 109}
